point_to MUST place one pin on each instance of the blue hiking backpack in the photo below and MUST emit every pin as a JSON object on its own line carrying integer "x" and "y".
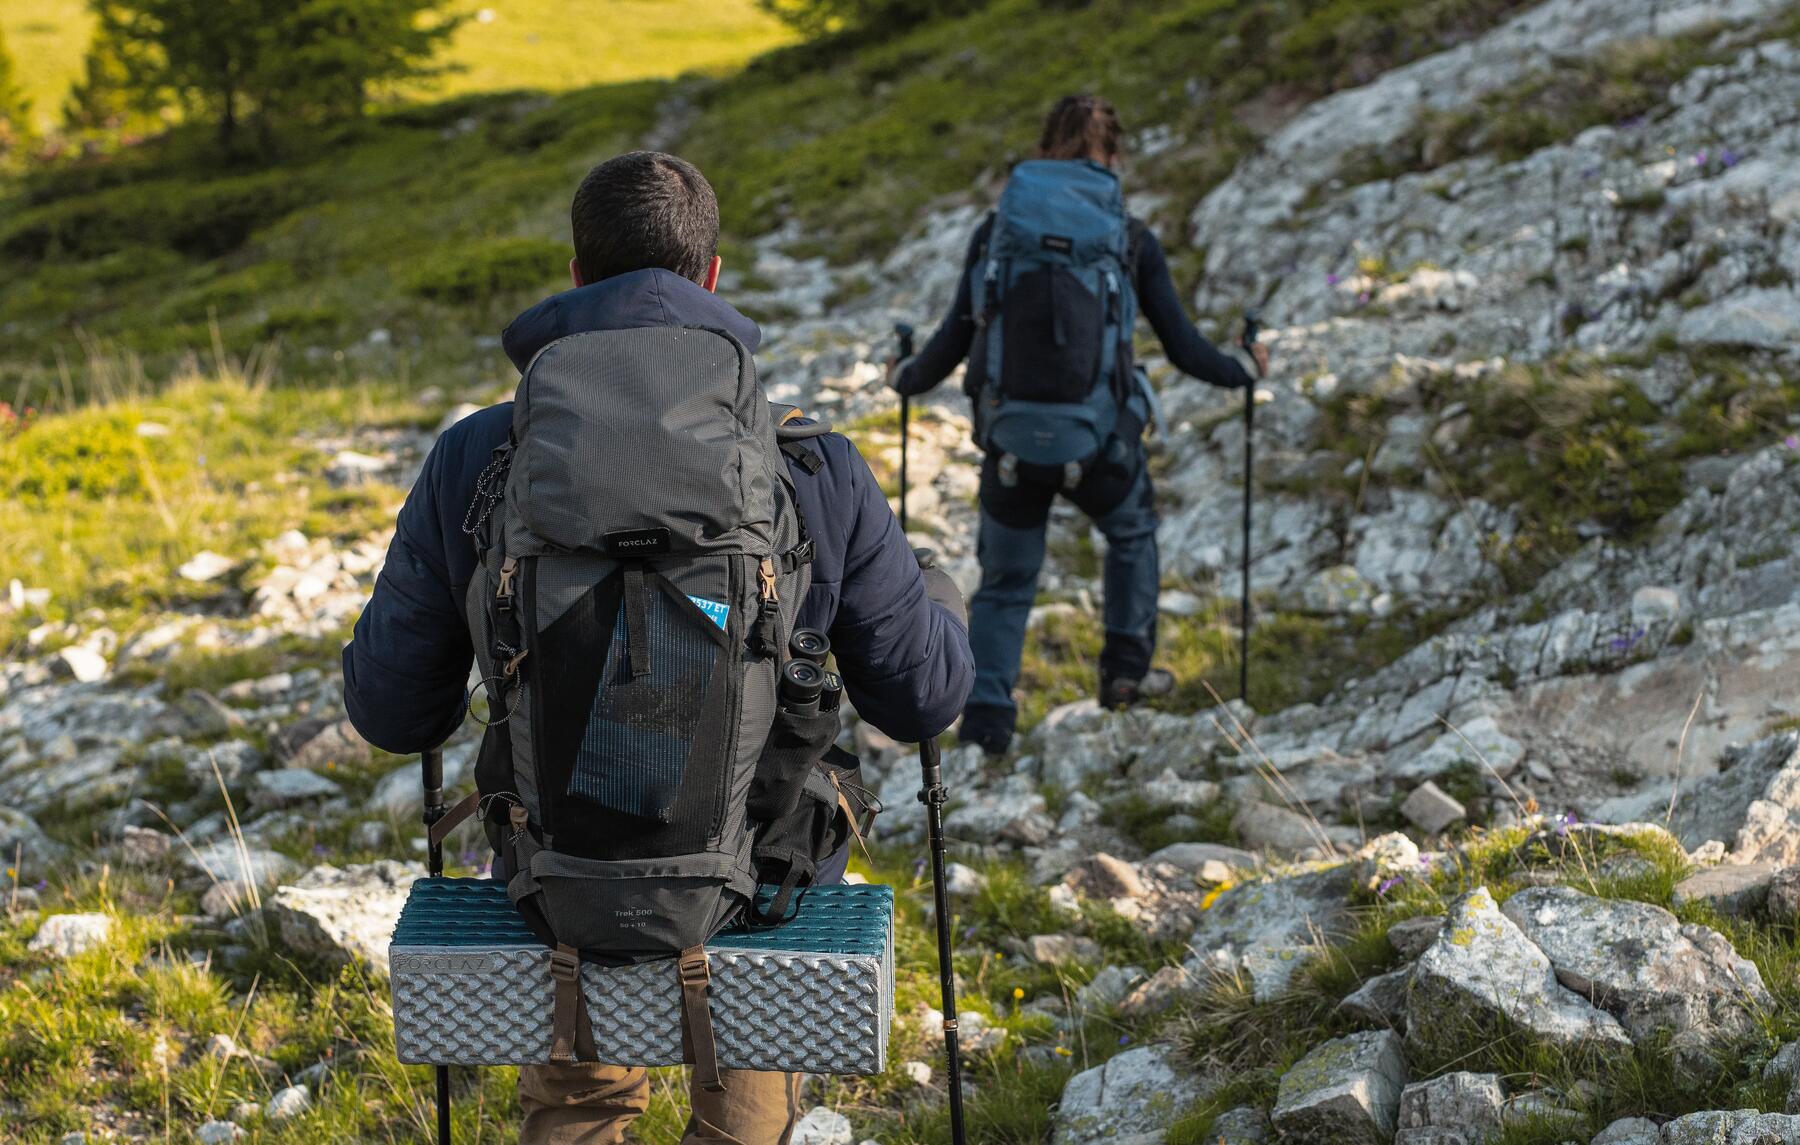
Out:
{"x": 1054, "y": 302}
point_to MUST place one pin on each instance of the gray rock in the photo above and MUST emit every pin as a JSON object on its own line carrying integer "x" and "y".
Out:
{"x": 1411, "y": 937}
{"x": 1736, "y": 889}
{"x": 1543, "y": 1111}
{"x": 24, "y": 842}
{"x": 1278, "y": 829}
{"x": 1135, "y": 1093}
{"x": 822, "y": 1126}
{"x": 1783, "y": 902}
{"x": 1483, "y": 974}
{"x": 1715, "y": 1127}
{"x": 218, "y": 1133}
{"x": 286, "y": 1103}
{"x": 226, "y": 862}
{"x": 1767, "y": 1129}
{"x": 336, "y": 742}
{"x": 229, "y": 760}
{"x": 1629, "y": 1131}
{"x": 1767, "y": 318}
{"x": 66, "y": 935}
{"x": 399, "y": 792}
{"x": 1157, "y": 993}
{"x": 1641, "y": 964}
{"x": 143, "y": 847}
{"x": 1468, "y": 1103}
{"x": 83, "y": 663}
{"x": 1108, "y": 988}
{"x": 1049, "y": 949}
{"x": 288, "y": 786}
{"x": 1345, "y": 1092}
{"x": 1245, "y": 1125}
{"x": 1105, "y": 877}
{"x": 1431, "y": 810}
{"x": 1192, "y": 857}
{"x": 338, "y": 914}
{"x": 1380, "y": 1002}
{"x": 1267, "y": 928}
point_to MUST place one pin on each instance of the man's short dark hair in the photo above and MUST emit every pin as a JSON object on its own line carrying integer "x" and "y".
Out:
{"x": 641, "y": 210}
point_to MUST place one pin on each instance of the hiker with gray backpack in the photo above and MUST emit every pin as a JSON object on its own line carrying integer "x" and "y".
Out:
{"x": 1052, "y": 285}
{"x": 647, "y": 563}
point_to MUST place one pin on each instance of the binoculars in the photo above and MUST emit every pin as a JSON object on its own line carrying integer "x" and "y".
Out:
{"x": 807, "y": 689}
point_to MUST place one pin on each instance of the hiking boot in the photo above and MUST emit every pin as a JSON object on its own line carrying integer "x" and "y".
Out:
{"x": 1118, "y": 693}
{"x": 991, "y": 729}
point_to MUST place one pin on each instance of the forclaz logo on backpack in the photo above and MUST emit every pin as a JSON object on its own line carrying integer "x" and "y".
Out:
{"x": 1061, "y": 244}
{"x": 636, "y": 542}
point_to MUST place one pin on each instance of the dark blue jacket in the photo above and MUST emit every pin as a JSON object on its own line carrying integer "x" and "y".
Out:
{"x": 905, "y": 660}
{"x": 1157, "y": 300}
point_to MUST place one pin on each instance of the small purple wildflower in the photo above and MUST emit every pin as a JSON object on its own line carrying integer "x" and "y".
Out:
{"x": 918, "y": 867}
{"x": 318, "y": 848}
{"x": 42, "y": 885}
{"x": 1387, "y": 885}
{"x": 1124, "y": 1039}
{"x": 968, "y": 933}
{"x": 1728, "y": 158}
{"x": 1362, "y": 299}
{"x": 1332, "y": 280}
{"x": 1700, "y": 157}
{"x": 1793, "y": 441}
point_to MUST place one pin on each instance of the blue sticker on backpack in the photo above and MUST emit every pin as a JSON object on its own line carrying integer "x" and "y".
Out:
{"x": 715, "y": 611}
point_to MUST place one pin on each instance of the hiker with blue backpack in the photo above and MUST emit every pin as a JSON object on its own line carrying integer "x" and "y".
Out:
{"x": 1052, "y": 285}
{"x": 647, "y": 562}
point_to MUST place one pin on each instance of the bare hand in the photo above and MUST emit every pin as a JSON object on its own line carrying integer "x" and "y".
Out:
{"x": 1260, "y": 352}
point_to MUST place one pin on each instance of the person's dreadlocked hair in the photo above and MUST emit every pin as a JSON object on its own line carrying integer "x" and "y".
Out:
{"x": 1081, "y": 127}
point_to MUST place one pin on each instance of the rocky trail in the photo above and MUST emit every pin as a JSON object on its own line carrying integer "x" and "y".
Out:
{"x": 1530, "y": 470}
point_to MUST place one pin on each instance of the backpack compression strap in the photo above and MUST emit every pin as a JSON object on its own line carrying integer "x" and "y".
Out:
{"x": 697, "y": 1045}
{"x": 571, "y": 1034}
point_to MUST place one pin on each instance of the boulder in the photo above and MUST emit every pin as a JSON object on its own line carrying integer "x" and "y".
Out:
{"x": 400, "y": 793}
{"x": 1345, "y": 1092}
{"x": 1049, "y": 949}
{"x": 1629, "y": 1131}
{"x": 1430, "y": 809}
{"x": 1641, "y": 964}
{"x": 1157, "y": 993}
{"x": 1714, "y": 1127}
{"x": 229, "y": 760}
{"x": 24, "y": 842}
{"x": 339, "y": 914}
{"x": 1783, "y": 903}
{"x": 1245, "y": 1125}
{"x": 218, "y": 1133}
{"x": 1736, "y": 889}
{"x": 290, "y": 1101}
{"x": 1411, "y": 937}
{"x": 1135, "y": 1093}
{"x": 822, "y": 1126}
{"x": 1105, "y": 877}
{"x": 288, "y": 786}
{"x": 1380, "y": 1002}
{"x": 226, "y": 862}
{"x": 1483, "y": 976}
{"x": 81, "y": 662}
{"x": 312, "y": 746}
{"x": 1270, "y": 926}
{"x": 1265, "y": 826}
{"x": 1468, "y": 1104}
{"x": 1108, "y": 988}
{"x": 66, "y": 935}
{"x": 1193, "y": 857}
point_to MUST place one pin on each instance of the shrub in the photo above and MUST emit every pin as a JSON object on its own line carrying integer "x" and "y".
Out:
{"x": 203, "y": 220}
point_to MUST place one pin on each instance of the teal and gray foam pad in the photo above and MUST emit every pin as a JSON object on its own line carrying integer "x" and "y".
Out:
{"x": 472, "y": 986}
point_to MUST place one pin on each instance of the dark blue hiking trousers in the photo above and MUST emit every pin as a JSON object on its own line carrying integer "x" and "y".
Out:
{"x": 1117, "y": 495}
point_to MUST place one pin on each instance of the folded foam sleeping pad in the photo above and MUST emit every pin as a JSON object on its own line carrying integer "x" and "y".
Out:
{"x": 472, "y": 986}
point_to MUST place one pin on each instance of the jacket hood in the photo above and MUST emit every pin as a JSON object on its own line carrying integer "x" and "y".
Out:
{"x": 629, "y": 301}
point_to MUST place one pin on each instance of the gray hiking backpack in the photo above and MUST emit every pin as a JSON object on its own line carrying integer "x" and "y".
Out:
{"x": 642, "y": 560}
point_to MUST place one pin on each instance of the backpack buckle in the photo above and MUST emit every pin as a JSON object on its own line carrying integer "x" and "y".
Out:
{"x": 693, "y": 969}
{"x": 1009, "y": 470}
{"x": 565, "y": 964}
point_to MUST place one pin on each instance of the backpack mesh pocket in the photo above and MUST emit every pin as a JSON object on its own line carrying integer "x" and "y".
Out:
{"x": 632, "y": 701}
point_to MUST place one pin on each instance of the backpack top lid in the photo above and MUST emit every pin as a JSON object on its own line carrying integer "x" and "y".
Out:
{"x": 656, "y": 434}
{"x": 1069, "y": 211}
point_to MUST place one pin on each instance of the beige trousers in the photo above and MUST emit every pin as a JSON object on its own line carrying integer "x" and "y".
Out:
{"x": 591, "y": 1104}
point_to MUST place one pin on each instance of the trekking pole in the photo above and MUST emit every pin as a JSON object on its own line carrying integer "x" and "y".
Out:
{"x": 1252, "y": 327}
{"x": 431, "y": 765}
{"x": 933, "y": 796}
{"x": 904, "y": 333}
